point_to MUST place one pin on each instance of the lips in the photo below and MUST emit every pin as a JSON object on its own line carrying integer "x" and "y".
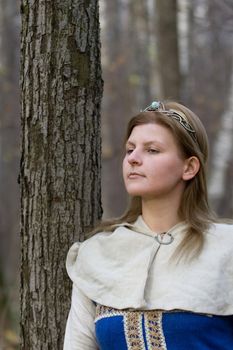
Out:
{"x": 134, "y": 175}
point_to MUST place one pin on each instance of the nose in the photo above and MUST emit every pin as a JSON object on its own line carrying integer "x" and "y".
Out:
{"x": 134, "y": 158}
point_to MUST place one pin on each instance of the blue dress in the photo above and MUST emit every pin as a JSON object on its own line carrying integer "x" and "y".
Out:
{"x": 162, "y": 330}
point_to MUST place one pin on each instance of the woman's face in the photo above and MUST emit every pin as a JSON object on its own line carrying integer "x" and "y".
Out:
{"x": 153, "y": 166}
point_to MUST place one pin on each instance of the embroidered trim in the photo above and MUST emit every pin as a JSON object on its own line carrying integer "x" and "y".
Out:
{"x": 133, "y": 327}
{"x": 106, "y": 311}
{"x": 154, "y": 333}
{"x": 133, "y": 330}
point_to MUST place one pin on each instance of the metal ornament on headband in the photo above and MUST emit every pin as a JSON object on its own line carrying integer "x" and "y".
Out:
{"x": 158, "y": 106}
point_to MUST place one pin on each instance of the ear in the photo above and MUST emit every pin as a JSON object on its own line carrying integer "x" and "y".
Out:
{"x": 191, "y": 168}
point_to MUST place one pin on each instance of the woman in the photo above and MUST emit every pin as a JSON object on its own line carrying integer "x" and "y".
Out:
{"x": 161, "y": 276}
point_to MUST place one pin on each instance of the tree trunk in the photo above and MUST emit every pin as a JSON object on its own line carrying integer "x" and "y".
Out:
{"x": 167, "y": 43}
{"x": 60, "y": 165}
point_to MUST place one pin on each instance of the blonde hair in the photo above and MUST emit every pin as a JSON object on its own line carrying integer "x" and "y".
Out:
{"x": 194, "y": 207}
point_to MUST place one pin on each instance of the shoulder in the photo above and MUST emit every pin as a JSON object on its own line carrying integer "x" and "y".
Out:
{"x": 75, "y": 249}
{"x": 220, "y": 239}
{"x": 221, "y": 229}
{"x": 102, "y": 250}
{"x": 101, "y": 241}
{"x": 80, "y": 250}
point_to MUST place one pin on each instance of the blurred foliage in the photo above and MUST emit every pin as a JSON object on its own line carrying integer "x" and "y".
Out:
{"x": 9, "y": 337}
{"x": 10, "y": 340}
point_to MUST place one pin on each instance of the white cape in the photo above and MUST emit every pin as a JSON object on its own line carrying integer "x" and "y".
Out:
{"x": 129, "y": 268}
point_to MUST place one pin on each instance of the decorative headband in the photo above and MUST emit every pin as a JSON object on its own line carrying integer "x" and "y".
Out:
{"x": 157, "y": 106}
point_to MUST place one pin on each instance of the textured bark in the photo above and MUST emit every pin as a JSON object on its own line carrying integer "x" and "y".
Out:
{"x": 60, "y": 165}
{"x": 168, "y": 56}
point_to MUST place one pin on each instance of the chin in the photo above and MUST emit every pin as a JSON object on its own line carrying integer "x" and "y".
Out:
{"x": 137, "y": 192}
{"x": 134, "y": 193}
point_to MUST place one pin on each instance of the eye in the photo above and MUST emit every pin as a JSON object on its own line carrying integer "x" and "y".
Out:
{"x": 152, "y": 150}
{"x": 129, "y": 150}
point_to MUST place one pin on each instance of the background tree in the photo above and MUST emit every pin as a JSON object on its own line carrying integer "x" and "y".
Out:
{"x": 115, "y": 107}
{"x": 167, "y": 49}
{"x": 208, "y": 90}
{"x": 139, "y": 52}
{"x": 60, "y": 165}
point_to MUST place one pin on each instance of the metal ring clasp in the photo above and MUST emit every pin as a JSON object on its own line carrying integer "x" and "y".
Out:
{"x": 164, "y": 238}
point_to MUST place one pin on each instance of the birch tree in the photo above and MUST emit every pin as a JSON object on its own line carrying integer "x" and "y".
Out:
{"x": 60, "y": 164}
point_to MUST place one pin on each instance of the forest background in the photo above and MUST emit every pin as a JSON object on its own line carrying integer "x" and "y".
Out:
{"x": 150, "y": 50}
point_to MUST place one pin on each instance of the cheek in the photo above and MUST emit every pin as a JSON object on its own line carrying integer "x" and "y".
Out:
{"x": 175, "y": 170}
{"x": 168, "y": 168}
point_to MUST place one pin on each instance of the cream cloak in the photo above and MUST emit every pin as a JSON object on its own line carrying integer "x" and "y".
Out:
{"x": 130, "y": 268}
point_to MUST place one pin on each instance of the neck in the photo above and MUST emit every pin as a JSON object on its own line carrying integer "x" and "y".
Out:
{"x": 160, "y": 215}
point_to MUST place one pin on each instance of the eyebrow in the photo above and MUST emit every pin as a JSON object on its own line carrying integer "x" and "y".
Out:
{"x": 148, "y": 143}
